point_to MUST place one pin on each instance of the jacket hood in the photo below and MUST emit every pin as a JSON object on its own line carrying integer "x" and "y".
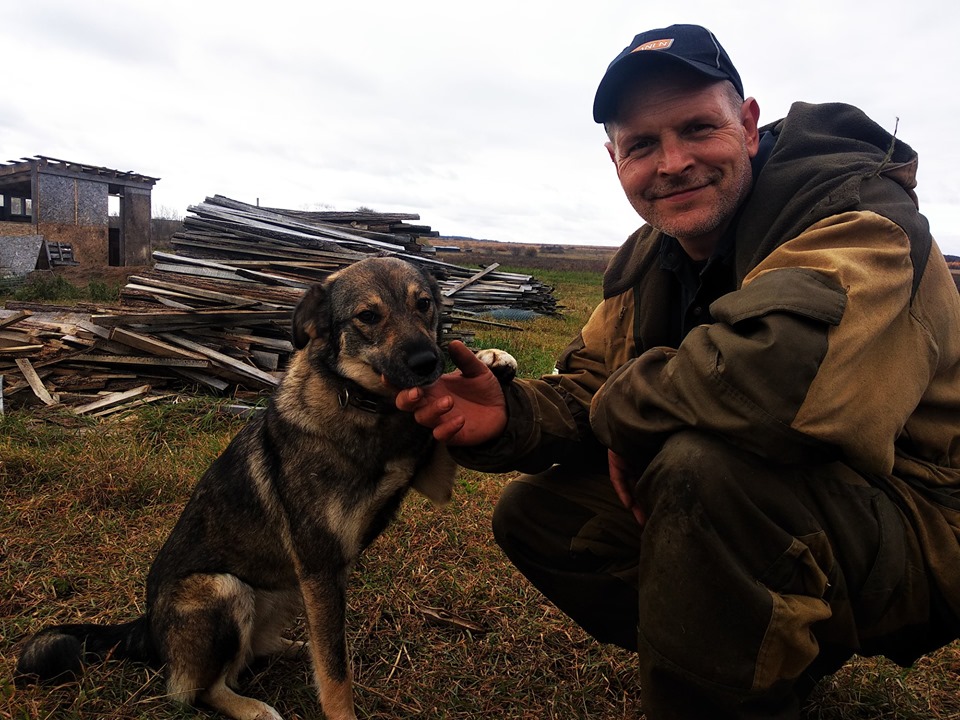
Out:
{"x": 823, "y": 158}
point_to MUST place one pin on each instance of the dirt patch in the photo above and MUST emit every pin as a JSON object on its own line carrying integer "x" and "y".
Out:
{"x": 587, "y": 258}
{"x": 81, "y": 275}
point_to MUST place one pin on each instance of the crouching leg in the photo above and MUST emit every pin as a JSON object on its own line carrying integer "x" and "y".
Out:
{"x": 756, "y": 579}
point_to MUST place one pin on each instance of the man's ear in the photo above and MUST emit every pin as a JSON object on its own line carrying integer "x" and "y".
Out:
{"x": 311, "y": 318}
{"x": 750, "y": 119}
{"x": 612, "y": 152}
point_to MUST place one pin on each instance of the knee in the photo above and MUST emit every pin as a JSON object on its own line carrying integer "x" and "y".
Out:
{"x": 511, "y": 513}
{"x": 535, "y": 520}
{"x": 692, "y": 470}
{"x": 695, "y": 450}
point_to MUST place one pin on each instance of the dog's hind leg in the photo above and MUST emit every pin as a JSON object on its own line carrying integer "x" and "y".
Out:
{"x": 226, "y": 701}
{"x": 204, "y": 625}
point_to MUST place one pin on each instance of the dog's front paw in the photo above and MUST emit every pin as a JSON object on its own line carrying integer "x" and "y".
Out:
{"x": 501, "y": 363}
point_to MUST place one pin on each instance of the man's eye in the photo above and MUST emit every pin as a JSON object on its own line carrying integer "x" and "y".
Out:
{"x": 424, "y": 304}
{"x": 368, "y": 317}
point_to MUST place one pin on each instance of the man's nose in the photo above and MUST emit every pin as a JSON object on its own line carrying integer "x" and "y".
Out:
{"x": 675, "y": 156}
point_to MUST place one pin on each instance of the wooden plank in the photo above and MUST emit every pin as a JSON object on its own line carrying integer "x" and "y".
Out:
{"x": 200, "y": 378}
{"x": 83, "y": 342}
{"x": 202, "y": 272}
{"x": 199, "y": 317}
{"x": 94, "y": 329}
{"x": 150, "y": 361}
{"x": 149, "y": 344}
{"x": 197, "y": 262}
{"x": 15, "y": 318}
{"x": 270, "y": 279}
{"x": 471, "y": 279}
{"x": 123, "y": 407}
{"x": 267, "y": 342}
{"x": 268, "y": 360}
{"x": 236, "y": 365}
{"x": 173, "y": 304}
{"x": 36, "y": 384}
{"x": 478, "y": 321}
{"x": 182, "y": 290}
{"x": 111, "y": 399}
{"x": 20, "y": 349}
{"x": 253, "y": 217}
{"x": 14, "y": 387}
{"x": 15, "y": 337}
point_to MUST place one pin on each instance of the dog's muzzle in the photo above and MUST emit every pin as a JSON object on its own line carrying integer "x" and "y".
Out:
{"x": 423, "y": 363}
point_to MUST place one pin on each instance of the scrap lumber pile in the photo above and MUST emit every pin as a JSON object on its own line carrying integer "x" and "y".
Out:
{"x": 365, "y": 220}
{"x": 295, "y": 249}
{"x": 61, "y": 356}
{"x": 216, "y": 313}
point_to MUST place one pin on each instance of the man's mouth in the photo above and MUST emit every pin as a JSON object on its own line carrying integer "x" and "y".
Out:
{"x": 680, "y": 194}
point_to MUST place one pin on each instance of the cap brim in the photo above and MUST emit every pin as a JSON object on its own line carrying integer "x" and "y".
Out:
{"x": 628, "y": 67}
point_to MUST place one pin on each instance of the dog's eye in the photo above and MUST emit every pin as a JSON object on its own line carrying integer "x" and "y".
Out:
{"x": 424, "y": 304}
{"x": 368, "y": 317}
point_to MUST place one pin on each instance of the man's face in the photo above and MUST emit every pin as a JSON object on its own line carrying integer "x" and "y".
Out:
{"x": 682, "y": 150}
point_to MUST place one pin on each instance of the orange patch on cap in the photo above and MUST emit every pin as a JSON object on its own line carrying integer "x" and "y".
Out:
{"x": 655, "y": 45}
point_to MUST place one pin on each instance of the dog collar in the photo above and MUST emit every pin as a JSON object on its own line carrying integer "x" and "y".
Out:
{"x": 345, "y": 397}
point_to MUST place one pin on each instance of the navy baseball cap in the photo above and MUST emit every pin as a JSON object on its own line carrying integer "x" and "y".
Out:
{"x": 689, "y": 45}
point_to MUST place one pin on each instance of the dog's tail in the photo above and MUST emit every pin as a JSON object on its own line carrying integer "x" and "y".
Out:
{"x": 58, "y": 654}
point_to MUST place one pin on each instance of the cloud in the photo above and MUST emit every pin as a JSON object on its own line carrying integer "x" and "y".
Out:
{"x": 477, "y": 117}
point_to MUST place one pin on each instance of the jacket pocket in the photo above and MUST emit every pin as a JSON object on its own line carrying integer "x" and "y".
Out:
{"x": 793, "y": 290}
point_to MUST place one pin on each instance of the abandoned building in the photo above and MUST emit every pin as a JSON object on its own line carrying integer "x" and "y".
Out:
{"x": 63, "y": 211}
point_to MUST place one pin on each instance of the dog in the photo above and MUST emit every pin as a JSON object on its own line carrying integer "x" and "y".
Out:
{"x": 275, "y": 525}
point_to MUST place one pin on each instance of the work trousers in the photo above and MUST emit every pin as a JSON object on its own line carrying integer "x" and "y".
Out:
{"x": 748, "y": 583}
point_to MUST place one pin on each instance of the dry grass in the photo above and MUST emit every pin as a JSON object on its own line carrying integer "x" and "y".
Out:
{"x": 84, "y": 512}
{"x": 84, "y": 507}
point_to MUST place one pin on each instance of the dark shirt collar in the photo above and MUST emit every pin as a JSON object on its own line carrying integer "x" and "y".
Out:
{"x": 674, "y": 258}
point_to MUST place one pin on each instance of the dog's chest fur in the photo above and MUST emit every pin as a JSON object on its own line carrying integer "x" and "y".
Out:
{"x": 353, "y": 475}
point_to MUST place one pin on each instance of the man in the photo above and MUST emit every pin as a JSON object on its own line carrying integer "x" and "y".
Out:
{"x": 772, "y": 383}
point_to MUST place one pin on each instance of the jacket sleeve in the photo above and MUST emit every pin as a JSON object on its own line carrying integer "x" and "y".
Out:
{"x": 815, "y": 357}
{"x": 549, "y": 418}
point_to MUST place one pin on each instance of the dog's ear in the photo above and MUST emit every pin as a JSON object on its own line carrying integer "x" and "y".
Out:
{"x": 434, "y": 286}
{"x": 443, "y": 303}
{"x": 311, "y": 318}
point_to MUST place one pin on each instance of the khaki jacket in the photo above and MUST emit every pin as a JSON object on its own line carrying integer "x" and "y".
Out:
{"x": 841, "y": 340}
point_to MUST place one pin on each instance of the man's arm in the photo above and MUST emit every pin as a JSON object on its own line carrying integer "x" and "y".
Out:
{"x": 815, "y": 357}
{"x": 547, "y": 420}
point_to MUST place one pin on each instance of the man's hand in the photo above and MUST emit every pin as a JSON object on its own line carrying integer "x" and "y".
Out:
{"x": 464, "y": 407}
{"x": 624, "y": 479}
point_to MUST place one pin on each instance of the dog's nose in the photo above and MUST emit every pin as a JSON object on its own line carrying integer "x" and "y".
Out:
{"x": 422, "y": 362}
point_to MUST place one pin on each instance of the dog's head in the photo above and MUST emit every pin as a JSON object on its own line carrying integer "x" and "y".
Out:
{"x": 375, "y": 322}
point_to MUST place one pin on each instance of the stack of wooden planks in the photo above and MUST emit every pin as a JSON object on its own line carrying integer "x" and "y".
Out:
{"x": 295, "y": 248}
{"x": 63, "y": 356}
{"x": 215, "y": 314}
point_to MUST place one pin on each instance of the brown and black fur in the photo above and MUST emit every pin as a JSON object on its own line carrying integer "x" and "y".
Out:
{"x": 278, "y": 520}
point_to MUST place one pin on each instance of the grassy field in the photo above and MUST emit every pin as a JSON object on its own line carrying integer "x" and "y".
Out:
{"x": 83, "y": 508}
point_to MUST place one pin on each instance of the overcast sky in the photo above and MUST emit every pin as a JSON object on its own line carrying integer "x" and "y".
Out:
{"x": 476, "y": 116}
